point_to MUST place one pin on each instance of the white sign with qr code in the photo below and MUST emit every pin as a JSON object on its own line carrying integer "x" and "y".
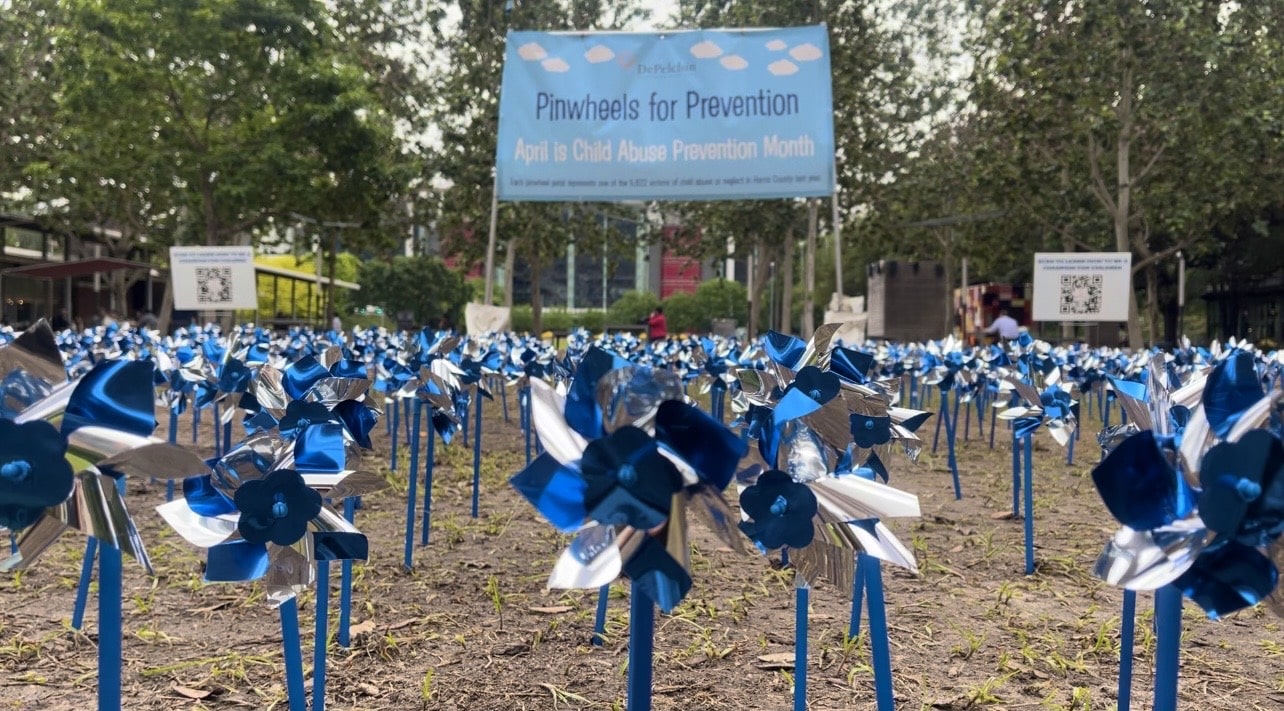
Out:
{"x": 1082, "y": 286}
{"x": 213, "y": 278}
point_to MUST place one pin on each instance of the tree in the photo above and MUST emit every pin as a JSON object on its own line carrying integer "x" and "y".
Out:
{"x": 465, "y": 113}
{"x": 423, "y": 286}
{"x": 1142, "y": 106}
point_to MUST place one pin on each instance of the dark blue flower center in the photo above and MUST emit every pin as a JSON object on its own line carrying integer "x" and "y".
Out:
{"x": 302, "y": 423}
{"x": 16, "y": 471}
{"x": 815, "y": 394}
{"x": 627, "y": 475}
{"x": 779, "y": 506}
{"x": 279, "y": 508}
{"x": 1247, "y": 489}
{"x": 869, "y": 424}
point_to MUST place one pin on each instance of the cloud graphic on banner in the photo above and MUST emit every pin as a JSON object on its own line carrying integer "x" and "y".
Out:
{"x": 734, "y": 62}
{"x": 531, "y": 51}
{"x": 782, "y": 68}
{"x": 599, "y": 53}
{"x": 776, "y": 45}
{"x": 706, "y": 50}
{"x": 806, "y": 52}
{"x": 556, "y": 65}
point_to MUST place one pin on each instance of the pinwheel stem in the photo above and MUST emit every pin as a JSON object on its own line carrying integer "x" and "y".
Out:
{"x": 951, "y": 425}
{"x": 196, "y": 422}
{"x": 430, "y": 457}
{"x": 477, "y": 441}
{"x": 878, "y": 641}
{"x": 802, "y": 596}
{"x": 599, "y": 624}
{"x": 82, "y": 590}
{"x": 396, "y": 431}
{"x": 1168, "y": 604}
{"x": 994, "y": 414}
{"x": 1127, "y": 632}
{"x": 1016, "y": 477}
{"x": 412, "y": 478}
{"x": 1029, "y": 505}
{"x": 218, "y": 440}
{"x": 109, "y": 632}
{"x": 525, "y": 407}
{"x": 345, "y": 589}
{"x": 321, "y": 640}
{"x": 641, "y": 633}
{"x": 858, "y": 594}
{"x": 293, "y": 651}
{"x": 503, "y": 396}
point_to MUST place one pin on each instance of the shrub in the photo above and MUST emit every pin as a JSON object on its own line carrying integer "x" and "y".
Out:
{"x": 631, "y": 308}
{"x": 422, "y": 285}
{"x": 724, "y": 298}
{"x": 682, "y": 312}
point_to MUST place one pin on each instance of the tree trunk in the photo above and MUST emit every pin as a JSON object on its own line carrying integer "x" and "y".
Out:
{"x": 760, "y": 291}
{"x": 537, "y": 299}
{"x": 946, "y": 238}
{"x": 1152, "y": 303}
{"x": 787, "y": 289}
{"x": 510, "y": 253}
{"x": 1123, "y": 192}
{"x": 166, "y": 307}
{"x": 809, "y": 273}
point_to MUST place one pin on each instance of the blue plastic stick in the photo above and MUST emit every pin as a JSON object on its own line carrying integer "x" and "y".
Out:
{"x": 879, "y": 644}
{"x": 801, "y": 602}
{"x": 967, "y": 422}
{"x": 936, "y": 439}
{"x": 345, "y": 590}
{"x": 1016, "y": 477}
{"x": 951, "y": 426}
{"x": 1070, "y": 448}
{"x": 430, "y": 460}
{"x": 412, "y": 496}
{"x": 503, "y": 396}
{"x": 477, "y": 442}
{"x": 1029, "y": 505}
{"x": 293, "y": 651}
{"x": 82, "y": 590}
{"x": 109, "y": 631}
{"x": 218, "y": 441}
{"x": 196, "y": 420}
{"x": 227, "y": 436}
{"x": 173, "y": 439}
{"x": 1167, "y": 646}
{"x": 641, "y": 633}
{"x": 525, "y": 406}
{"x": 1127, "y": 633}
{"x": 858, "y": 594}
{"x": 599, "y": 624}
{"x": 405, "y": 416}
{"x": 980, "y": 403}
{"x": 463, "y": 431}
{"x": 13, "y": 543}
{"x": 396, "y": 429}
{"x": 322, "y": 638}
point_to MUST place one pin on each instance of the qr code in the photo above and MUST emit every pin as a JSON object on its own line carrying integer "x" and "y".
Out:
{"x": 213, "y": 285}
{"x": 1080, "y": 294}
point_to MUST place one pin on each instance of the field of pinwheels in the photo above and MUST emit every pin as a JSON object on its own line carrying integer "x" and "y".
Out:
{"x": 472, "y": 622}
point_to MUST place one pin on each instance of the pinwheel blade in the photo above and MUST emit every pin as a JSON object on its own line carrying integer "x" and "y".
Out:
{"x": 591, "y": 560}
{"x": 1149, "y": 560}
{"x": 851, "y": 498}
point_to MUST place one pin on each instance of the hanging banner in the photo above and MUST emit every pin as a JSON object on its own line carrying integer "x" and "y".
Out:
{"x": 213, "y": 278}
{"x": 1082, "y": 286}
{"x": 689, "y": 115}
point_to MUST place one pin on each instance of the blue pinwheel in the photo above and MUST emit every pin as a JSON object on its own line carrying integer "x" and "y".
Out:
{"x": 625, "y": 456}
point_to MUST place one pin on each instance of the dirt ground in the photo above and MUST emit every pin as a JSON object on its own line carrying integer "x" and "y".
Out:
{"x": 471, "y": 627}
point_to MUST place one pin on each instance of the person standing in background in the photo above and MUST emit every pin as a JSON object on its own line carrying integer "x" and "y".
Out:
{"x": 1005, "y": 326}
{"x": 656, "y": 327}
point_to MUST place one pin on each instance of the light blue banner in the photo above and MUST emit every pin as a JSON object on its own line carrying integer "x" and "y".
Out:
{"x": 697, "y": 115}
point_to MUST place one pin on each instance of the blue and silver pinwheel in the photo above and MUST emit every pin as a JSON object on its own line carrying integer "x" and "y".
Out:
{"x": 626, "y": 455}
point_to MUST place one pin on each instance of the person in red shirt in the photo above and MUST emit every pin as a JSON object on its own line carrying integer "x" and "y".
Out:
{"x": 656, "y": 328}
